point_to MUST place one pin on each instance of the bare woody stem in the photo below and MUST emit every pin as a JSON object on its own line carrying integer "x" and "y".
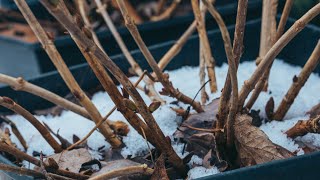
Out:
{"x": 21, "y": 155}
{"x": 16, "y": 132}
{"x": 205, "y": 44}
{"x": 301, "y": 128}
{"x": 83, "y": 13}
{"x": 62, "y": 68}
{"x": 20, "y": 84}
{"x": 168, "y": 87}
{"x": 98, "y": 124}
{"x": 167, "y": 12}
{"x": 263, "y": 81}
{"x": 158, "y": 139}
{"x": 10, "y": 104}
{"x": 274, "y": 51}
{"x": 202, "y": 63}
{"x": 237, "y": 52}
{"x": 284, "y": 18}
{"x": 131, "y": 170}
{"x": 21, "y": 171}
{"x": 176, "y": 48}
{"x": 298, "y": 83}
{"x": 232, "y": 71}
{"x": 101, "y": 8}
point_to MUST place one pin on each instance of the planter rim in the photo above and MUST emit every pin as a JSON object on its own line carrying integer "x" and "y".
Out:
{"x": 149, "y": 25}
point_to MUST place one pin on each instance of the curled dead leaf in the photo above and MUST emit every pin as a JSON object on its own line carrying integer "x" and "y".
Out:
{"x": 253, "y": 145}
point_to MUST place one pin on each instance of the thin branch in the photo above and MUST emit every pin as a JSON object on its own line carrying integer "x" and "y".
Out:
{"x": 101, "y": 8}
{"x": 302, "y": 128}
{"x": 19, "y": 84}
{"x": 274, "y": 51}
{"x": 167, "y": 12}
{"x": 232, "y": 71}
{"x": 16, "y": 132}
{"x": 298, "y": 83}
{"x": 10, "y": 104}
{"x": 284, "y": 18}
{"x": 202, "y": 129}
{"x": 102, "y": 121}
{"x": 157, "y": 138}
{"x": 168, "y": 87}
{"x": 205, "y": 44}
{"x": 131, "y": 170}
{"x": 160, "y": 6}
{"x": 62, "y": 68}
{"x": 22, "y": 155}
{"x": 83, "y": 13}
{"x": 133, "y": 13}
{"x": 202, "y": 63}
{"x": 176, "y": 48}
{"x": 21, "y": 171}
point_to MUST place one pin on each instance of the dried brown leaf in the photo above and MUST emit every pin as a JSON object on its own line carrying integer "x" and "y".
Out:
{"x": 253, "y": 145}
{"x": 199, "y": 120}
{"x": 71, "y": 160}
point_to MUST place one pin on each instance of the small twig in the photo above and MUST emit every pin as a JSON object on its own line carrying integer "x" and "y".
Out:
{"x": 298, "y": 83}
{"x": 284, "y": 18}
{"x": 131, "y": 170}
{"x": 22, "y": 155}
{"x": 274, "y": 51}
{"x": 43, "y": 169}
{"x": 10, "y": 104}
{"x": 145, "y": 138}
{"x": 176, "y": 48}
{"x": 101, "y": 8}
{"x": 133, "y": 13}
{"x": 62, "y": 68}
{"x": 202, "y": 129}
{"x": 205, "y": 44}
{"x": 167, "y": 12}
{"x": 168, "y": 87}
{"x": 301, "y": 128}
{"x": 83, "y": 13}
{"x": 102, "y": 121}
{"x": 19, "y": 84}
{"x": 15, "y": 131}
{"x": 232, "y": 71}
{"x": 160, "y": 6}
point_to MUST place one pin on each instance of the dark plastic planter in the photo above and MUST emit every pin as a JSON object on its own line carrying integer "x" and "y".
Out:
{"x": 297, "y": 52}
{"x": 30, "y": 60}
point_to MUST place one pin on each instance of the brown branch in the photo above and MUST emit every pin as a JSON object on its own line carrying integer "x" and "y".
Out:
{"x": 103, "y": 120}
{"x": 167, "y": 12}
{"x": 62, "y": 68}
{"x": 10, "y": 104}
{"x": 21, "y": 171}
{"x": 156, "y": 137}
{"x": 202, "y": 129}
{"x": 202, "y": 63}
{"x": 134, "y": 65}
{"x": 20, "y": 84}
{"x": 16, "y": 132}
{"x": 284, "y": 18}
{"x": 302, "y": 128}
{"x": 131, "y": 170}
{"x": 133, "y": 13}
{"x": 237, "y": 52}
{"x": 21, "y": 155}
{"x": 298, "y": 83}
{"x": 274, "y": 51}
{"x": 84, "y": 15}
{"x": 176, "y": 48}
{"x": 168, "y": 87}
{"x": 205, "y": 44}
{"x": 232, "y": 71}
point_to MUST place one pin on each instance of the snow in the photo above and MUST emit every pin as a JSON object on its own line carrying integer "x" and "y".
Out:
{"x": 186, "y": 79}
